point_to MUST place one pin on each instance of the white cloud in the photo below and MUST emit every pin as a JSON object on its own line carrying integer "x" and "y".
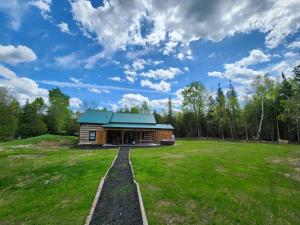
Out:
{"x": 186, "y": 69}
{"x": 64, "y": 27}
{"x": 161, "y": 86}
{"x": 295, "y": 44}
{"x": 215, "y": 74}
{"x": 290, "y": 54}
{"x": 162, "y": 74}
{"x": 87, "y": 86}
{"x": 132, "y": 71}
{"x": 115, "y": 78}
{"x": 177, "y": 23}
{"x": 239, "y": 72}
{"x": 98, "y": 91}
{"x": 15, "y": 9}
{"x": 13, "y": 55}
{"x": 73, "y": 79}
{"x": 256, "y": 56}
{"x": 132, "y": 99}
{"x": 44, "y": 6}
{"x": 22, "y": 88}
{"x": 75, "y": 103}
{"x": 70, "y": 61}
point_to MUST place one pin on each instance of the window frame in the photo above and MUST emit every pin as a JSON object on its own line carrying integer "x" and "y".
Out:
{"x": 90, "y": 136}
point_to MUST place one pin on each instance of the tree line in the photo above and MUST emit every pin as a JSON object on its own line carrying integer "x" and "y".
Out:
{"x": 36, "y": 118}
{"x": 271, "y": 112}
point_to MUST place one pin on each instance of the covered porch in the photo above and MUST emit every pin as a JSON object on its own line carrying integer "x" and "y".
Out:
{"x": 130, "y": 137}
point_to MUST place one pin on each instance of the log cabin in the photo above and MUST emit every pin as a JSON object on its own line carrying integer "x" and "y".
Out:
{"x": 110, "y": 128}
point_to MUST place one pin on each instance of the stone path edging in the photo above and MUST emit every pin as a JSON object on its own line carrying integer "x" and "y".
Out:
{"x": 97, "y": 195}
{"x": 143, "y": 212}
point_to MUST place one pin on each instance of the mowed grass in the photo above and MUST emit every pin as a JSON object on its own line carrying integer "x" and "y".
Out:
{"x": 216, "y": 182}
{"x": 44, "y": 180}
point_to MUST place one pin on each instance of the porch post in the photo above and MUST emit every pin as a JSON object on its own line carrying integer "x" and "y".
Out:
{"x": 140, "y": 137}
{"x": 122, "y": 137}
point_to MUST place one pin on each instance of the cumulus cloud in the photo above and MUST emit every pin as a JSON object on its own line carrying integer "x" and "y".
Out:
{"x": 64, "y": 27}
{"x": 162, "y": 74}
{"x": 22, "y": 88}
{"x": 132, "y": 99}
{"x": 132, "y": 71}
{"x": 13, "y": 55}
{"x": 44, "y": 6}
{"x": 161, "y": 86}
{"x": 239, "y": 71}
{"x": 75, "y": 103}
{"x": 176, "y": 23}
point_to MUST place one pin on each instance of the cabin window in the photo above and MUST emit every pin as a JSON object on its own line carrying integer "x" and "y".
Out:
{"x": 92, "y": 135}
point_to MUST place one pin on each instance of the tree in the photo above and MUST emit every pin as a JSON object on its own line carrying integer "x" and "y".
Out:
{"x": 58, "y": 111}
{"x": 31, "y": 123}
{"x": 135, "y": 109}
{"x": 145, "y": 108}
{"x": 233, "y": 109}
{"x": 9, "y": 112}
{"x": 72, "y": 125}
{"x": 194, "y": 98}
{"x": 170, "y": 112}
{"x": 260, "y": 87}
{"x": 220, "y": 110}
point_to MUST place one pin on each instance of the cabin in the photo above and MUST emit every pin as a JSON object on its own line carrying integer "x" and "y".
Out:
{"x": 110, "y": 128}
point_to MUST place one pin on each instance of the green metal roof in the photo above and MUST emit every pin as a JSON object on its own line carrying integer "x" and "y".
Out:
{"x": 122, "y": 120}
{"x": 94, "y": 116}
{"x": 139, "y": 126}
{"x": 133, "y": 118}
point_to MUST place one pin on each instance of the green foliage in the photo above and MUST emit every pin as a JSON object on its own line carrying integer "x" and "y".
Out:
{"x": 57, "y": 112}
{"x": 72, "y": 125}
{"x": 31, "y": 123}
{"x": 9, "y": 113}
{"x": 194, "y": 100}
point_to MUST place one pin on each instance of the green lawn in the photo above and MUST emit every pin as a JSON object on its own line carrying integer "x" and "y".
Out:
{"x": 215, "y": 182}
{"x": 44, "y": 181}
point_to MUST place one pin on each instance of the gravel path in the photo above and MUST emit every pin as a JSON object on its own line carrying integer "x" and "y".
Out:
{"x": 118, "y": 203}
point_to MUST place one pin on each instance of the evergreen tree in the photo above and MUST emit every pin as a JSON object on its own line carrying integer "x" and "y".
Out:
{"x": 170, "y": 112}
{"x": 30, "y": 121}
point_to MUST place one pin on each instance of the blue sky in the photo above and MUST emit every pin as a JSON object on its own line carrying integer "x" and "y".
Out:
{"x": 116, "y": 53}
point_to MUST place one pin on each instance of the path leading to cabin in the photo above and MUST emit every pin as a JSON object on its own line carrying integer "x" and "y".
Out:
{"x": 118, "y": 202}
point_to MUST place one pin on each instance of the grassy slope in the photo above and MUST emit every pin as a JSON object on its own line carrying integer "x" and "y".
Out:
{"x": 42, "y": 181}
{"x": 215, "y": 182}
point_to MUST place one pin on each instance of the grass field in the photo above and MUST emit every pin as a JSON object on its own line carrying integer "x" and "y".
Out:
{"x": 44, "y": 181}
{"x": 215, "y": 182}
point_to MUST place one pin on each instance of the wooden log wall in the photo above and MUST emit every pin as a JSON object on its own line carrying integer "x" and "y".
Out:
{"x": 84, "y": 134}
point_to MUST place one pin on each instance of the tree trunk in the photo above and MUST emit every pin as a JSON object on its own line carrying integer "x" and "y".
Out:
{"x": 289, "y": 131}
{"x": 277, "y": 126}
{"x": 230, "y": 126}
{"x": 246, "y": 131}
{"x": 261, "y": 119}
{"x": 298, "y": 133}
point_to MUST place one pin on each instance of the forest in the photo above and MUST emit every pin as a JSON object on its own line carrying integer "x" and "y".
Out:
{"x": 271, "y": 112}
